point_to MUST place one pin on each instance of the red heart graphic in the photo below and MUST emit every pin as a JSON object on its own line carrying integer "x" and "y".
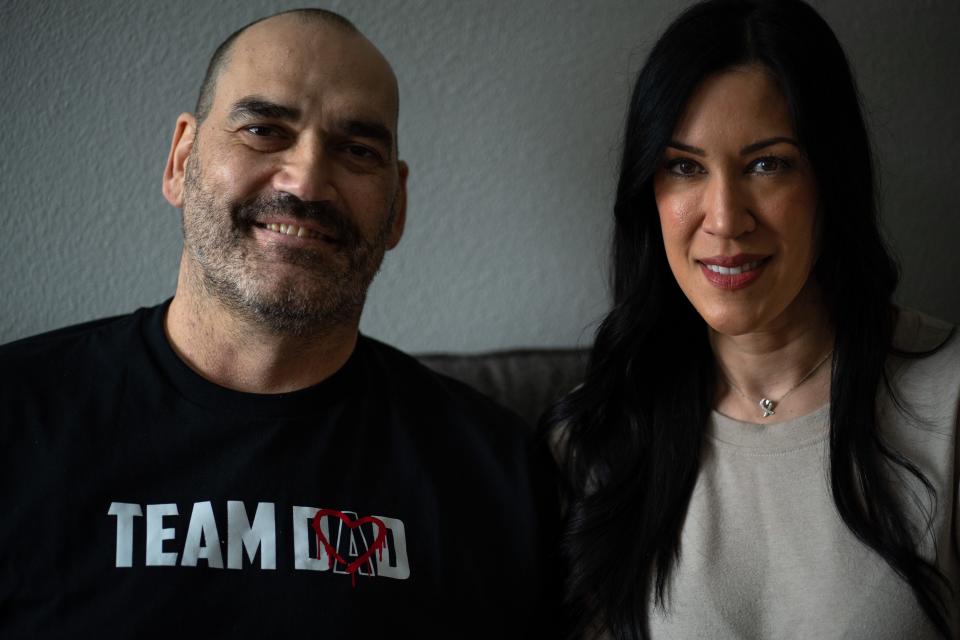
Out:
{"x": 332, "y": 554}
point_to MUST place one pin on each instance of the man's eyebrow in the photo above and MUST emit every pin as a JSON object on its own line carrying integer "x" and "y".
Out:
{"x": 254, "y": 107}
{"x": 767, "y": 142}
{"x": 367, "y": 129}
{"x": 679, "y": 146}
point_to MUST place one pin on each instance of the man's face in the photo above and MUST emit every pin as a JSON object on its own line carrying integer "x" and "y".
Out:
{"x": 292, "y": 191}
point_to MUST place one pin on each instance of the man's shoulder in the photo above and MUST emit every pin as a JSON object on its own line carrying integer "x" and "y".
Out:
{"x": 420, "y": 384}
{"x": 62, "y": 335}
{"x": 73, "y": 345}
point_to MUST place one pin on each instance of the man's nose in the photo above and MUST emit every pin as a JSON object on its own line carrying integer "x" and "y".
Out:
{"x": 727, "y": 207}
{"x": 306, "y": 171}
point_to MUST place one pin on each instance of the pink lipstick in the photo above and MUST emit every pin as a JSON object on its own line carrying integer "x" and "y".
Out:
{"x": 733, "y": 272}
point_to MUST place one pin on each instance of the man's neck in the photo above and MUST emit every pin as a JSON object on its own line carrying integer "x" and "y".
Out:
{"x": 237, "y": 353}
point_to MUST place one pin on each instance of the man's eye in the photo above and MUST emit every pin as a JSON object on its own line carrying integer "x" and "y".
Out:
{"x": 768, "y": 164}
{"x": 363, "y": 154}
{"x": 683, "y": 167}
{"x": 261, "y": 131}
{"x": 360, "y": 151}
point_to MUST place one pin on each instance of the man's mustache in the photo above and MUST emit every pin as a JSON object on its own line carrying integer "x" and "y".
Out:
{"x": 334, "y": 222}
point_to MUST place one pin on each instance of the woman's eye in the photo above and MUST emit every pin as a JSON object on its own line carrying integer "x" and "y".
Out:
{"x": 768, "y": 164}
{"x": 683, "y": 167}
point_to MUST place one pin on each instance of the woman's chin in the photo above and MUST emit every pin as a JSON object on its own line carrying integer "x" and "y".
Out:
{"x": 733, "y": 326}
{"x": 732, "y": 319}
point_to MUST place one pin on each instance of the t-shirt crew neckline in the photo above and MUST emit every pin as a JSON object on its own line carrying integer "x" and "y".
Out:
{"x": 208, "y": 394}
{"x": 773, "y": 438}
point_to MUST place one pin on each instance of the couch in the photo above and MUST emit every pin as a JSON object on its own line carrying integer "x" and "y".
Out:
{"x": 524, "y": 380}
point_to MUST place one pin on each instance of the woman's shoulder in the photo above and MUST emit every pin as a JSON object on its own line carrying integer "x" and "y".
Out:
{"x": 924, "y": 369}
{"x": 917, "y": 333}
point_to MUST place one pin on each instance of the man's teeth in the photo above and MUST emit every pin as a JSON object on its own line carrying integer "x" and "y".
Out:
{"x": 293, "y": 230}
{"x": 732, "y": 271}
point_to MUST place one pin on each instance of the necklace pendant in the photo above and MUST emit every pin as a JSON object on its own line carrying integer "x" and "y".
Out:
{"x": 767, "y": 406}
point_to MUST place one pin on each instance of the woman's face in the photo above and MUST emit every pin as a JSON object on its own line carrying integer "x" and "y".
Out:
{"x": 738, "y": 205}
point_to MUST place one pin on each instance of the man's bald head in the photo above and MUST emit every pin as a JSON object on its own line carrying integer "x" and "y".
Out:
{"x": 221, "y": 56}
{"x": 299, "y": 133}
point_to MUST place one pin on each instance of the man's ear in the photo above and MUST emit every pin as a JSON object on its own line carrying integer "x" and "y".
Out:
{"x": 399, "y": 207}
{"x": 184, "y": 134}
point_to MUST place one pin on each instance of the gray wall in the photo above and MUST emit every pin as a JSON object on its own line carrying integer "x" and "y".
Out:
{"x": 510, "y": 116}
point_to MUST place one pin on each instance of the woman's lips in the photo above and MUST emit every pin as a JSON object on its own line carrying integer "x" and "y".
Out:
{"x": 732, "y": 272}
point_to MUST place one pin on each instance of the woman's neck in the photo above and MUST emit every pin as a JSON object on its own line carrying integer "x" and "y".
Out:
{"x": 786, "y": 362}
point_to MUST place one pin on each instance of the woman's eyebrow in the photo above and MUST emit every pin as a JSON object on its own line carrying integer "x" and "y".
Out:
{"x": 679, "y": 146}
{"x": 767, "y": 142}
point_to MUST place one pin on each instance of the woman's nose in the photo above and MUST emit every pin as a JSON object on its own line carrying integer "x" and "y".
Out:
{"x": 726, "y": 207}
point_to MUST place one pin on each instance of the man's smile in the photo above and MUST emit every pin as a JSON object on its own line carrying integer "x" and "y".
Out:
{"x": 295, "y": 232}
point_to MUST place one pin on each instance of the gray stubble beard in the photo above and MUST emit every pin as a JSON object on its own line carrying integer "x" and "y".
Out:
{"x": 298, "y": 307}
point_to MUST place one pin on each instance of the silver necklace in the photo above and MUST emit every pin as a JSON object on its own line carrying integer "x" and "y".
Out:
{"x": 768, "y": 406}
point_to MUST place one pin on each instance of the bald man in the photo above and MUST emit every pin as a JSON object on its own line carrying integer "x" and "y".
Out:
{"x": 239, "y": 461}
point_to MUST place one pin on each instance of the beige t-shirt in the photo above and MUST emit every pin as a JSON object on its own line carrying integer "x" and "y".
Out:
{"x": 764, "y": 553}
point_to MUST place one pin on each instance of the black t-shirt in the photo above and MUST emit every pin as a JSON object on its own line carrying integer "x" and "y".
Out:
{"x": 143, "y": 500}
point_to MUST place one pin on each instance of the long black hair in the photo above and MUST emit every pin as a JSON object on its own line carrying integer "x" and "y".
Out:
{"x": 631, "y": 435}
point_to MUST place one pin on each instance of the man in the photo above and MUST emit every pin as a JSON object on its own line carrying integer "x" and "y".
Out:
{"x": 239, "y": 461}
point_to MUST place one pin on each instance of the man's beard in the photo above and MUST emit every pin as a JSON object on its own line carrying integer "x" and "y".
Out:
{"x": 330, "y": 285}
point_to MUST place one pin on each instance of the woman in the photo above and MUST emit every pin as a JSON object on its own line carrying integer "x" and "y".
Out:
{"x": 763, "y": 445}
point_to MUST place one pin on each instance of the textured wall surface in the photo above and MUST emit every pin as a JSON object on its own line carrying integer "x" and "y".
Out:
{"x": 510, "y": 116}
